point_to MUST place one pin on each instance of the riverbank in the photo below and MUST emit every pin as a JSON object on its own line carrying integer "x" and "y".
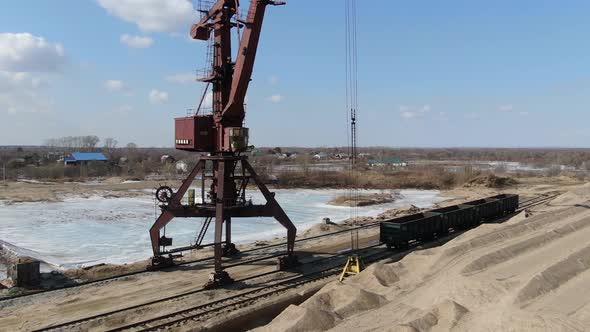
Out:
{"x": 24, "y": 191}
{"x": 421, "y": 178}
{"x": 108, "y": 230}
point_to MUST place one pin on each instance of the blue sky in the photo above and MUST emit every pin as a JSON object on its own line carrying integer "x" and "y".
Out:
{"x": 452, "y": 73}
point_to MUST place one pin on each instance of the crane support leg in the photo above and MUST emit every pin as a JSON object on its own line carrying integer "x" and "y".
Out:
{"x": 229, "y": 249}
{"x": 167, "y": 215}
{"x": 219, "y": 277}
{"x": 280, "y": 215}
{"x": 225, "y": 201}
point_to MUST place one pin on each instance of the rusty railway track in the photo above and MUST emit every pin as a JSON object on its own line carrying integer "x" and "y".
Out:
{"x": 80, "y": 323}
{"x": 202, "y": 311}
{"x": 540, "y": 199}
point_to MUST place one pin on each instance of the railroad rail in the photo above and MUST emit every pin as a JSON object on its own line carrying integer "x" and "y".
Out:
{"x": 540, "y": 199}
{"x": 78, "y": 323}
{"x": 204, "y": 310}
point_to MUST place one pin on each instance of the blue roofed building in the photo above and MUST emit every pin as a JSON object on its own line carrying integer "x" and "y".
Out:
{"x": 77, "y": 158}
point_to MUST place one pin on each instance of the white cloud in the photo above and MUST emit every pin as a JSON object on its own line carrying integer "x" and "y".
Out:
{"x": 411, "y": 112}
{"x": 523, "y": 113}
{"x": 154, "y": 15}
{"x": 473, "y": 116}
{"x": 114, "y": 85}
{"x": 136, "y": 41}
{"x": 506, "y": 108}
{"x": 273, "y": 80}
{"x": 158, "y": 97}
{"x": 408, "y": 115}
{"x": 124, "y": 110}
{"x": 23, "y": 52}
{"x": 275, "y": 99}
{"x": 22, "y": 93}
{"x": 182, "y": 78}
{"x": 20, "y": 80}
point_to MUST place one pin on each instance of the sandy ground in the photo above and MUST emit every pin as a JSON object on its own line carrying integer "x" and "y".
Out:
{"x": 526, "y": 274}
{"x": 14, "y": 192}
{"x": 472, "y": 283}
{"x": 69, "y": 304}
{"x": 35, "y": 191}
{"x": 362, "y": 199}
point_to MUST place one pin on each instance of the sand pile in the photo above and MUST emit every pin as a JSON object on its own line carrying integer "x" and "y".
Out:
{"x": 344, "y": 300}
{"x": 358, "y": 221}
{"x": 528, "y": 274}
{"x": 491, "y": 181}
{"x": 322, "y": 229}
{"x": 555, "y": 276}
{"x": 323, "y": 310}
{"x": 104, "y": 270}
{"x": 440, "y": 317}
{"x": 401, "y": 211}
{"x": 377, "y": 277}
{"x": 362, "y": 200}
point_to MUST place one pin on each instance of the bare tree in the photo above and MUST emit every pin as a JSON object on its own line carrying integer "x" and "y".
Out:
{"x": 89, "y": 142}
{"x": 110, "y": 143}
{"x": 131, "y": 145}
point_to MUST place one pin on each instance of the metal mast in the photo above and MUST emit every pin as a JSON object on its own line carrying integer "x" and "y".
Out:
{"x": 355, "y": 263}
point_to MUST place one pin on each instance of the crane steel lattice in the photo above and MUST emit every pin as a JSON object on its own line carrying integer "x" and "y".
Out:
{"x": 223, "y": 136}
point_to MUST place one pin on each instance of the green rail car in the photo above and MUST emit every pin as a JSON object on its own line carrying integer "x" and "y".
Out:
{"x": 399, "y": 232}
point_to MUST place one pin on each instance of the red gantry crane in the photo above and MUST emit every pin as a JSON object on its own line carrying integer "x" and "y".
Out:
{"x": 224, "y": 172}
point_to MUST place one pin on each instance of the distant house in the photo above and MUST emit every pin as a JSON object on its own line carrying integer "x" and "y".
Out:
{"x": 78, "y": 158}
{"x": 167, "y": 159}
{"x": 320, "y": 156}
{"x": 393, "y": 161}
{"x": 341, "y": 156}
{"x": 181, "y": 166}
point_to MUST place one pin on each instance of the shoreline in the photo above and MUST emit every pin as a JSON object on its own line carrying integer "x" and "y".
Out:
{"x": 447, "y": 197}
{"x": 104, "y": 268}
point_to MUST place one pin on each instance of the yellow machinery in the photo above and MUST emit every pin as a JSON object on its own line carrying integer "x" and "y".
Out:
{"x": 353, "y": 266}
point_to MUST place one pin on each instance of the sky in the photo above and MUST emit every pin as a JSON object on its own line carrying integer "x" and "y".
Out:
{"x": 431, "y": 73}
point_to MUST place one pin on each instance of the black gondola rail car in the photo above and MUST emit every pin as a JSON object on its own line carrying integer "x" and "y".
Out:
{"x": 487, "y": 208}
{"x": 457, "y": 217}
{"x": 509, "y": 202}
{"x": 399, "y": 232}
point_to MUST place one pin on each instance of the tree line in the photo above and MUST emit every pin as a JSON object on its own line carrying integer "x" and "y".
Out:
{"x": 84, "y": 143}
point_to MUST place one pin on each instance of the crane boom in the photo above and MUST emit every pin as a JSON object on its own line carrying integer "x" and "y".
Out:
{"x": 234, "y": 110}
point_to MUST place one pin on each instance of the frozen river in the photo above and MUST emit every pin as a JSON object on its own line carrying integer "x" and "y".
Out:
{"x": 87, "y": 231}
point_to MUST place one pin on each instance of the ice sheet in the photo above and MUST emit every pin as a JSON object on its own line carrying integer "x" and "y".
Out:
{"x": 2, "y": 271}
{"x": 87, "y": 231}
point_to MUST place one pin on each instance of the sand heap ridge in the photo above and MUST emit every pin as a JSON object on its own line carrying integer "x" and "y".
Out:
{"x": 527, "y": 274}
